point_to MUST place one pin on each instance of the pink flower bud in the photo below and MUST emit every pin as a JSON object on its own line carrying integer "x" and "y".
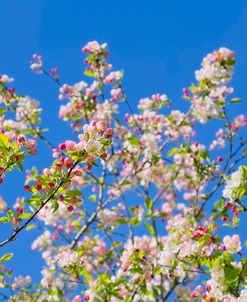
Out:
{"x": 16, "y": 220}
{"x": 89, "y": 167}
{"x": 19, "y": 211}
{"x": 186, "y": 92}
{"x": 103, "y": 156}
{"x": 16, "y": 158}
{"x": 58, "y": 166}
{"x": 61, "y": 160}
{"x": 77, "y": 298}
{"x": 90, "y": 159}
{"x": 27, "y": 188}
{"x": 193, "y": 295}
{"x": 56, "y": 153}
{"x": 208, "y": 288}
{"x": 31, "y": 143}
{"x": 77, "y": 173}
{"x": 68, "y": 162}
{"x": 70, "y": 145}
{"x": 55, "y": 236}
{"x": 199, "y": 289}
{"x": 2, "y": 170}
{"x": 38, "y": 185}
{"x": 62, "y": 146}
{"x": 219, "y": 159}
{"x": 86, "y": 298}
{"x": 60, "y": 228}
{"x": 197, "y": 235}
{"x": 21, "y": 140}
{"x": 101, "y": 126}
{"x": 228, "y": 204}
{"x": 70, "y": 208}
{"x": 33, "y": 151}
{"x": 108, "y": 133}
{"x": 74, "y": 199}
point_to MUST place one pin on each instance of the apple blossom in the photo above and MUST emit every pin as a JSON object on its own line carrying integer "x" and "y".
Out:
{"x": 124, "y": 209}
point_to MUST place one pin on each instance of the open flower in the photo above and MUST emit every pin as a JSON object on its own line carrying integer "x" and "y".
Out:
{"x": 232, "y": 244}
{"x": 93, "y": 147}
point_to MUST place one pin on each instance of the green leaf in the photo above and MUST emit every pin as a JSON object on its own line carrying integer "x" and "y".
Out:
{"x": 10, "y": 214}
{"x": 122, "y": 221}
{"x": 135, "y": 221}
{"x": 4, "y": 219}
{"x": 94, "y": 164}
{"x": 31, "y": 226}
{"x": 6, "y": 257}
{"x": 150, "y": 228}
{"x": 20, "y": 167}
{"x": 25, "y": 215}
{"x": 59, "y": 292}
{"x": 87, "y": 136}
{"x": 149, "y": 203}
{"x": 73, "y": 193}
{"x": 240, "y": 192}
{"x": 4, "y": 141}
{"x": 235, "y": 221}
{"x": 106, "y": 142}
{"x": 118, "y": 122}
{"x": 235, "y": 100}
{"x": 173, "y": 151}
{"x": 231, "y": 274}
{"x": 133, "y": 140}
{"x": 85, "y": 273}
{"x": 204, "y": 154}
{"x": 92, "y": 198}
{"x": 89, "y": 72}
{"x": 116, "y": 244}
{"x": 230, "y": 62}
{"x": 244, "y": 172}
{"x": 55, "y": 207}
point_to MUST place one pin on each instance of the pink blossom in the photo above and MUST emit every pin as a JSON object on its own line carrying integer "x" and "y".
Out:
{"x": 232, "y": 244}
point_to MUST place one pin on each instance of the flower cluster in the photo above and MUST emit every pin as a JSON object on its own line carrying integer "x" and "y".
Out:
{"x": 13, "y": 149}
{"x": 233, "y": 184}
{"x": 208, "y": 98}
{"x": 36, "y": 64}
{"x": 124, "y": 210}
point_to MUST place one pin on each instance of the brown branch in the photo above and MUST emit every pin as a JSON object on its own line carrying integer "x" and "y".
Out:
{"x": 222, "y": 180}
{"x": 88, "y": 223}
{"x": 6, "y": 168}
{"x": 16, "y": 232}
{"x": 170, "y": 291}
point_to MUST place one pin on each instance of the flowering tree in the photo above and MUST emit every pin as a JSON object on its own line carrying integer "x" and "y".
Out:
{"x": 134, "y": 208}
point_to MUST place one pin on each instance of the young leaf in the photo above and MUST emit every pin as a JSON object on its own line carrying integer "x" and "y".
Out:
{"x": 173, "y": 151}
{"x": 4, "y": 219}
{"x": 149, "y": 203}
{"x": 4, "y": 141}
{"x": 235, "y": 100}
{"x": 133, "y": 140}
{"x": 150, "y": 228}
{"x": 6, "y": 257}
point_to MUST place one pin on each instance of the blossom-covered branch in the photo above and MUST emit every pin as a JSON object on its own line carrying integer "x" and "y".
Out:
{"x": 135, "y": 203}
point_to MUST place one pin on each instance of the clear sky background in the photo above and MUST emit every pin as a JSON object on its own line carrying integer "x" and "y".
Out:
{"x": 159, "y": 44}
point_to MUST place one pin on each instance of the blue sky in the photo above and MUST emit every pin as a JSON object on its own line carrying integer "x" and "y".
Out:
{"x": 159, "y": 44}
